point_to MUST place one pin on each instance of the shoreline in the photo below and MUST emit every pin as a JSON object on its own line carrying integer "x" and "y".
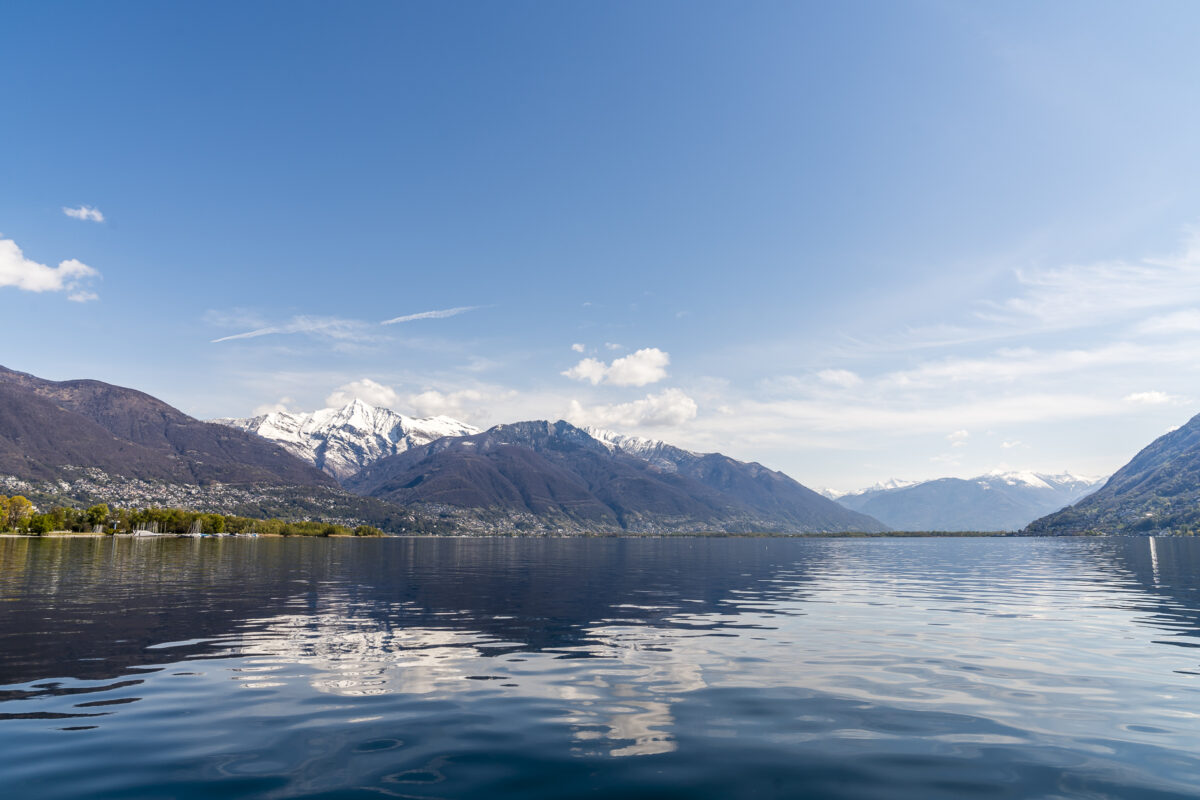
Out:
{"x": 622, "y": 535}
{"x": 692, "y": 535}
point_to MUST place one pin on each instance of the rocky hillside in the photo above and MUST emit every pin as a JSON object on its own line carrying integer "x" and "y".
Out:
{"x": 47, "y": 427}
{"x": 1158, "y": 491}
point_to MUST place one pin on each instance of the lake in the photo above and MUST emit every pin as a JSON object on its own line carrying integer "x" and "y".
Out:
{"x": 531, "y": 668}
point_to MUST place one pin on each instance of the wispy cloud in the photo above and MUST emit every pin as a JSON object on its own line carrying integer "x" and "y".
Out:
{"x": 915, "y": 417}
{"x": 1186, "y": 321}
{"x": 334, "y": 328}
{"x": 1154, "y": 295}
{"x": 86, "y": 213}
{"x": 28, "y": 275}
{"x": 1151, "y": 398}
{"x": 1093, "y": 294}
{"x": 840, "y": 377}
{"x": 438, "y": 314}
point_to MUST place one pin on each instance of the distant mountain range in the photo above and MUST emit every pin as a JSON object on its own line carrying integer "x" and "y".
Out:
{"x": 88, "y": 440}
{"x": 998, "y": 501}
{"x": 552, "y": 474}
{"x": 1157, "y": 492}
{"x": 341, "y": 441}
{"x": 91, "y": 441}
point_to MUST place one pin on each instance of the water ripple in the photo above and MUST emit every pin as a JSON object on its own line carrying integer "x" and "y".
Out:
{"x": 667, "y": 668}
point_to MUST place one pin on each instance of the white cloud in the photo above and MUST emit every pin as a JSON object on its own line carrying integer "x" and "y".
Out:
{"x": 669, "y": 407}
{"x": 433, "y": 403}
{"x": 369, "y": 391}
{"x": 439, "y": 314}
{"x": 271, "y": 408}
{"x": 614, "y": 346}
{"x": 82, "y": 296}
{"x": 30, "y": 276}
{"x": 1150, "y": 398}
{"x": 578, "y": 348}
{"x": 840, "y": 377}
{"x": 1009, "y": 445}
{"x": 640, "y": 368}
{"x": 589, "y": 369}
{"x": 334, "y": 328}
{"x": 84, "y": 213}
{"x": 958, "y": 438}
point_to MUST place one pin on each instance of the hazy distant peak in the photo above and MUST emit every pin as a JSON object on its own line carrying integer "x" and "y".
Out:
{"x": 890, "y": 484}
{"x": 1038, "y": 480}
{"x": 998, "y": 500}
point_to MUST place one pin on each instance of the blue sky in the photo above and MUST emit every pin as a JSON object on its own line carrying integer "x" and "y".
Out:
{"x": 852, "y": 241}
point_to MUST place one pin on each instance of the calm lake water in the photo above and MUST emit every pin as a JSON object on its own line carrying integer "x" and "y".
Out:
{"x": 688, "y": 668}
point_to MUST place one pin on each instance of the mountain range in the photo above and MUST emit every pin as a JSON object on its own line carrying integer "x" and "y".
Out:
{"x": 553, "y": 474}
{"x": 1158, "y": 491}
{"x": 86, "y": 440}
{"x": 998, "y": 501}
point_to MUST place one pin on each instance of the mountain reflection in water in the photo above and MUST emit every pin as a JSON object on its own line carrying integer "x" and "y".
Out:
{"x": 670, "y": 667}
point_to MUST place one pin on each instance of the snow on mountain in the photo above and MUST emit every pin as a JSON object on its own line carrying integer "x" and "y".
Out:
{"x": 341, "y": 441}
{"x": 662, "y": 455}
{"x": 879, "y": 486}
{"x": 1036, "y": 480}
{"x": 633, "y": 445}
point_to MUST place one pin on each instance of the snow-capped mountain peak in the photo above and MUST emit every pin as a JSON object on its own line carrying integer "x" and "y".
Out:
{"x": 343, "y": 440}
{"x": 657, "y": 452}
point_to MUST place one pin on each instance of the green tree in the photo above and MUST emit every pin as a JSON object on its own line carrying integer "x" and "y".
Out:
{"x": 17, "y": 511}
{"x": 40, "y": 524}
{"x": 97, "y": 515}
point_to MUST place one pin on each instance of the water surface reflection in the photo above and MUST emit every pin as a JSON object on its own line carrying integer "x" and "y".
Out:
{"x": 671, "y": 667}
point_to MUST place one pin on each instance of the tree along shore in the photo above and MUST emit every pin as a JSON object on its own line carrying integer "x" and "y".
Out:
{"x": 17, "y": 515}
